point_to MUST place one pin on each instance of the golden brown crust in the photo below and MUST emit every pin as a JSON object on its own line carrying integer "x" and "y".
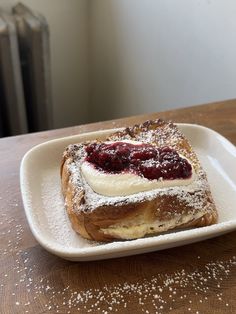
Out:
{"x": 94, "y": 224}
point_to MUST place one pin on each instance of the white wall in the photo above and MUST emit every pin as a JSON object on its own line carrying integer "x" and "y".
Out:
{"x": 125, "y": 57}
{"x": 68, "y": 22}
{"x": 152, "y": 55}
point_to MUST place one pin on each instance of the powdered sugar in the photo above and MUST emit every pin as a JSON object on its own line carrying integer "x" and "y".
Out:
{"x": 54, "y": 217}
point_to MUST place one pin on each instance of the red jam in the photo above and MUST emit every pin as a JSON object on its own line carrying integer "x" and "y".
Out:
{"x": 143, "y": 159}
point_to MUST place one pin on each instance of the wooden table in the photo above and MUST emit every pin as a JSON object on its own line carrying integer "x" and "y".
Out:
{"x": 197, "y": 278}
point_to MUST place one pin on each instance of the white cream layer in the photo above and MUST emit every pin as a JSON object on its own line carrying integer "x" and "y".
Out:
{"x": 123, "y": 184}
{"x": 138, "y": 230}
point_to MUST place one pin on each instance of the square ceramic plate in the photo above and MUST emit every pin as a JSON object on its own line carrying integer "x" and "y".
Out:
{"x": 44, "y": 208}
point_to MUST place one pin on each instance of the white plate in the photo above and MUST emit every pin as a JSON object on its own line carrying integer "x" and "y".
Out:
{"x": 40, "y": 187}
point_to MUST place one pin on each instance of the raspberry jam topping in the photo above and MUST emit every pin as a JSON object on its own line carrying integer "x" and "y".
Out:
{"x": 144, "y": 160}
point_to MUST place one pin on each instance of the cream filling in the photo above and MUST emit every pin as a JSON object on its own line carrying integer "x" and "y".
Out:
{"x": 122, "y": 184}
{"x": 140, "y": 230}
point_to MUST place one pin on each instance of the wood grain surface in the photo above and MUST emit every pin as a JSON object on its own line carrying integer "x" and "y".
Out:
{"x": 196, "y": 278}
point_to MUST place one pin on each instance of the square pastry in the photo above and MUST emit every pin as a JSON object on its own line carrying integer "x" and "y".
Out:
{"x": 138, "y": 182}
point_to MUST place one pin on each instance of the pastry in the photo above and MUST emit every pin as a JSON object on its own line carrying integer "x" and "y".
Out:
{"x": 140, "y": 181}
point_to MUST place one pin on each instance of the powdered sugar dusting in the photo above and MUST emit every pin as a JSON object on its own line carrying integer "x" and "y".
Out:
{"x": 184, "y": 193}
{"x": 54, "y": 215}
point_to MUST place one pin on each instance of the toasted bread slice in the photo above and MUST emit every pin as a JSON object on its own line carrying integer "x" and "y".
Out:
{"x": 106, "y": 218}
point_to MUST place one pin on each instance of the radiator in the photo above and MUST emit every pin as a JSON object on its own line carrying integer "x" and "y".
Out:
{"x": 25, "y": 76}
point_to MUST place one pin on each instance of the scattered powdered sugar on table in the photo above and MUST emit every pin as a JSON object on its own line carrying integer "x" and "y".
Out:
{"x": 189, "y": 288}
